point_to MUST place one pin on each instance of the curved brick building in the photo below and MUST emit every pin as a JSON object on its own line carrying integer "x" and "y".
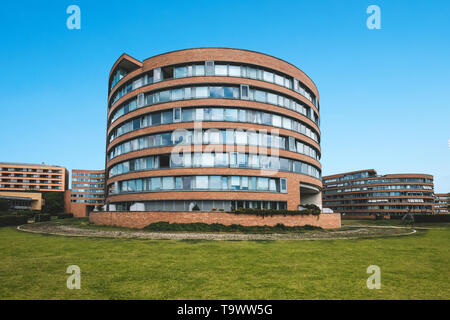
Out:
{"x": 212, "y": 129}
{"x": 364, "y": 193}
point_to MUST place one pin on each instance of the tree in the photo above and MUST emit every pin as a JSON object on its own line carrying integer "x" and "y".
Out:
{"x": 53, "y": 202}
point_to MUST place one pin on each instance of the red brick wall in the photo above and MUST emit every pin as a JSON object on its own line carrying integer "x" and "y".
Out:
{"x": 140, "y": 219}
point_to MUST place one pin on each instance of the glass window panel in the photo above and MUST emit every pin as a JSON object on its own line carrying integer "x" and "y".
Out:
{"x": 168, "y": 183}
{"x": 268, "y": 76}
{"x": 217, "y": 114}
{"x": 164, "y": 96}
{"x": 260, "y": 96}
{"x": 216, "y": 92}
{"x": 276, "y": 121}
{"x": 241, "y": 137}
{"x": 201, "y": 182}
{"x": 201, "y": 92}
{"x": 207, "y": 160}
{"x": 167, "y": 117}
{"x": 156, "y": 118}
{"x": 279, "y": 80}
{"x": 220, "y": 70}
{"x": 235, "y": 182}
{"x": 156, "y": 183}
{"x": 244, "y": 183}
{"x": 187, "y": 183}
{"x": 251, "y": 72}
{"x": 221, "y": 159}
{"x": 181, "y": 72}
{"x": 177, "y": 94}
{"x": 231, "y": 114}
{"x": 199, "y": 114}
{"x": 234, "y": 71}
{"x": 272, "y": 98}
{"x": 215, "y": 182}
{"x": 200, "y": 70}
{"x": 262, "y": 184}
{"x": 229, "y": 92}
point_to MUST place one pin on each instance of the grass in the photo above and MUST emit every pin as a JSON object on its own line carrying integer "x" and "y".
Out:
{"x": 33, "y": 266}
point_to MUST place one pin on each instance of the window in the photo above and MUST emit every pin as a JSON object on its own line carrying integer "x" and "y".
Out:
{"x": 217, "y": 114}
{"x": 260, "y": 96}
{"x": 241, "y": 137}
{"x": 221, "y": 70}
{"x": 283, "y": 185}
{"x": 268, "y": 76}
{"x": 216, "y": 92}
{"x": 187, "y": 183}
{"x": 201, "y": 182}
{"x": 209, "y": 68}
{"x": 244, "y": 91}
{"x": 181, "y": 72}
{"x": 164, "y": 96}
{"x": 176, "y": 114}
{"x": 155, "y": 183}
{"x": 198, "y": 114}
{"x": 234, "y": 71}
{"x": 140, "y": 100}
{"x": 168, "y": 183}
{"x": 167, "y": 73}
{"x": 235, "y": 183}
{"x": 272, "y": 98}
{"x": 228, "y": 92}
{"x": 263, "y": 184}
{"x": 231, "y": 115}
{"x": 187, "y": 115}
{"x": 167, "y": 117}
{"x": 215, "y": 182}
{"x": 157, "y": 75}
{"x": 199, "y": 70}
{"x": 177, "y": 94}
{"x": 201, "y": 92}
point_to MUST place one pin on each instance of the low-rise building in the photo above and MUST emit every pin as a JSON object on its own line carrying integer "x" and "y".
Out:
{"x": 365, "y": 193}
{"x": 37, "y": 177}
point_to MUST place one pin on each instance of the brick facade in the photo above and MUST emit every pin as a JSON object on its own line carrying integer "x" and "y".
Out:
{"x": 140, "y": 219}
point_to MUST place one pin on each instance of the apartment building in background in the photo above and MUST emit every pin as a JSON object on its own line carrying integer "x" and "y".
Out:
{"x": 365, "y": 193}
{"x": 87, "y": 192}
{"x": 36, "y": 177}
{"x": 441, "y": 203}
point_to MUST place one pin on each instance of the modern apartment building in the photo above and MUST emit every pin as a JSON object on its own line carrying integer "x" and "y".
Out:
{"x": 88, "y": 192}
{"x": 211, "y": 129}
{"x": 441, "y": 203}
{"x": 36, "y": 177}
{"x": 366, "y": 193}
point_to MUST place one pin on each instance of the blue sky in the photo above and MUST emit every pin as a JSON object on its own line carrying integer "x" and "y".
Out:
{"x": 385, "y": 98}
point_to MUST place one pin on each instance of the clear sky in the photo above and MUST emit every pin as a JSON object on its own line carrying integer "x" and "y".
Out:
{"x": 384, "y": 94}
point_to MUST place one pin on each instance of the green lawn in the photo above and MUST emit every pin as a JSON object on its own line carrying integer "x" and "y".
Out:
{"x": 412, "y": 267}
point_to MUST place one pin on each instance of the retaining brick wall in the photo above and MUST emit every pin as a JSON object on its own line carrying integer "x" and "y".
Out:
{"x": 140, "y": 219}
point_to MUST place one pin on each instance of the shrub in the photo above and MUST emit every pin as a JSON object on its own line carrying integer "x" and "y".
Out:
{"x": 42, "y": 217}
{"x": 432, "y": 217}
{"x": 309, "y": 209}
{"x": 12, "y": 220}
{"x": 29, "y": 214}
{"x": 65, "y": 215}
{"x": 379, "y": 216}
{"x": 4, "y": 205}
{"x": 217, "y": 227}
